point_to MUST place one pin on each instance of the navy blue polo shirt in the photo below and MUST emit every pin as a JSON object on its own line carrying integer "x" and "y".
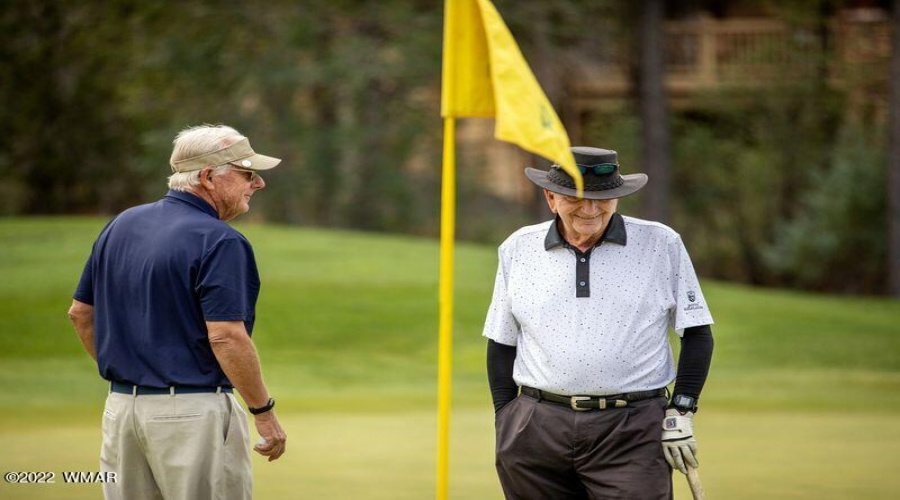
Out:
{"x": 156, "y": 273}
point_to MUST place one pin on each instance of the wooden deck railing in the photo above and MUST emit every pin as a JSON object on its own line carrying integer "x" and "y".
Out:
{"x": 706, "y": 53}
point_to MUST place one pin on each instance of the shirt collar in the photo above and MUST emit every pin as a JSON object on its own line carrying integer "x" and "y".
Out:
{"x": 192, "y": 199}
{"x": 614, "y": 233}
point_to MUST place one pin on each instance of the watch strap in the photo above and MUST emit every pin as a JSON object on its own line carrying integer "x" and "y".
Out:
{"x": 262, "y": 409}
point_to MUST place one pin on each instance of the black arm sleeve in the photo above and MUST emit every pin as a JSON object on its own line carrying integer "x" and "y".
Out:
{"x": 694, "y": 360}
{"x": 500, "y": 361}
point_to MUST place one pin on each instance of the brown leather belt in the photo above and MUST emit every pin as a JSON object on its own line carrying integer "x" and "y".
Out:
{"x": 585, "y": 403}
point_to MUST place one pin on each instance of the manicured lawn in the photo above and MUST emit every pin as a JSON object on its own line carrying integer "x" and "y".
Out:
{"x": 802, "y": 401}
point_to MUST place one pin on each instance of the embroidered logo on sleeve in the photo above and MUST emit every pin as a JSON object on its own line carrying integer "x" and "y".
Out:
{"x": 693, "y": 306}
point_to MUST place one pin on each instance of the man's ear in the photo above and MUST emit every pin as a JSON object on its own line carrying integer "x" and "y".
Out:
{"x": 551, "y": 200}
{"x": 206, "y": 176}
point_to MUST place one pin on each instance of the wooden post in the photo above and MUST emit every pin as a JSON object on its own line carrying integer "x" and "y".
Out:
{"x": 893, "y": 215}
{"x": 707, "y": 36}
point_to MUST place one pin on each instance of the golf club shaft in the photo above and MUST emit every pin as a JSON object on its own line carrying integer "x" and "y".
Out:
{"x": 693, "y": 478}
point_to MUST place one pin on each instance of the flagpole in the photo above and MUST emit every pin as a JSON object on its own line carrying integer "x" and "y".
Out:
{"x": 445, "y": 285}
{"x": 470, "y": 86}
{"x": 445, "y": 331}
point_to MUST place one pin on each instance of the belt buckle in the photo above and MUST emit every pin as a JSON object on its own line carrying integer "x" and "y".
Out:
{"x": 573, "y": 402}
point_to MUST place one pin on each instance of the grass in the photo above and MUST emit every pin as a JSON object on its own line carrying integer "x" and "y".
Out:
{"x": 801, "y": 401}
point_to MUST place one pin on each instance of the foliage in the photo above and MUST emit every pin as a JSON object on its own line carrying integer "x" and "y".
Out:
{"x": 347, "y": 93}
{"x": 62, "y": 129}
{"x": 743, "y": 167}
{"x": 837, "y": 241}
{"x": 341, "y": 90}
{"x": 773, "y": 186}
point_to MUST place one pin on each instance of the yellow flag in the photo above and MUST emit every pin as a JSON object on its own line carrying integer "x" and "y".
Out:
{"x": 485, "y": 75}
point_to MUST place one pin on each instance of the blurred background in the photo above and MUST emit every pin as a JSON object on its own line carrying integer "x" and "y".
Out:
{"x": 764, "y": 127}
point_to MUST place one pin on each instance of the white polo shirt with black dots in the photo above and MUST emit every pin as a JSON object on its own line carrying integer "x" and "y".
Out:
{"x": 594, "y": 323}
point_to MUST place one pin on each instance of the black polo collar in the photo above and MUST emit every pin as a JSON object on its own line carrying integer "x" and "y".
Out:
{"x": 192, "y": 199}
{"x": 614, "y": 233}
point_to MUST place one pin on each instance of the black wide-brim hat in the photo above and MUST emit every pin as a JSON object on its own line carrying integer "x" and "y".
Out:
{"x": 600, "y": 168}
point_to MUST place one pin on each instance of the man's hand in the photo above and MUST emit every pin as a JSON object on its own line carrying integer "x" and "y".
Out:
{"x": 237, "y": 356}
{"x": 270, "y": 430}
{"x": 679, "y": 445}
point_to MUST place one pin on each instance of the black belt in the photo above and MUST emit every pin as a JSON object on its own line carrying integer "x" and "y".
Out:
{"x": 140, "y": 390}
{"x": 584, "y": 403}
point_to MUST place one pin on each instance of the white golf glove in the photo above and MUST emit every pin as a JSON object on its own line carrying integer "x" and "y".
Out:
{"x": 679, "y": 445}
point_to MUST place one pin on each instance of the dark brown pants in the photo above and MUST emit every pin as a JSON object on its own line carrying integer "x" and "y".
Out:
{"x": 548, "y": 451}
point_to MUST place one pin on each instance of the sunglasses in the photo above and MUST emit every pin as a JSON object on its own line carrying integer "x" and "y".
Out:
{"x": 249, "y": 175}
{"x": 599, "y": 169}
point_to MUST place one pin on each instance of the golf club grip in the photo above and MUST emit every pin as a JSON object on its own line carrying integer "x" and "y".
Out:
{"x": 693, "y": 479}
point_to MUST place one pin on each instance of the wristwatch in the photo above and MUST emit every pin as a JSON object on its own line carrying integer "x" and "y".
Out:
{"x": 262, "y": 409}
{"x": 684, "y": 403}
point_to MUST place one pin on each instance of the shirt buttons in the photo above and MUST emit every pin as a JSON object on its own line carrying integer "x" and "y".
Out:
{"x": 583, "y": 259}
{"x": 582, "y": 283}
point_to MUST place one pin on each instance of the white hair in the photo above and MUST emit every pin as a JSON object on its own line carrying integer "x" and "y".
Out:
{"x": 187, "y": 181}
{"x": 196, "y": 141}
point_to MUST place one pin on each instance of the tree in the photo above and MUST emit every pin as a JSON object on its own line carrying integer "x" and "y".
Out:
{"x": 656, "y": 142}
{"x": 64, "y": 139}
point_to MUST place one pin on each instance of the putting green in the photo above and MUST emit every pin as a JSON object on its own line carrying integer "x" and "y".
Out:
{"x": 390, "y": 456}
{"x": 801, "y": 402}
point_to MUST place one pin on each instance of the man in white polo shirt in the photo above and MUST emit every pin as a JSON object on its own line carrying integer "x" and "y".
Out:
{"x": 579, "y": 319}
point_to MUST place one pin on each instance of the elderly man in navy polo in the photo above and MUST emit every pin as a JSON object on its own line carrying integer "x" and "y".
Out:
{"x": 166, "y": 305}
{"x": 579, "y": 321}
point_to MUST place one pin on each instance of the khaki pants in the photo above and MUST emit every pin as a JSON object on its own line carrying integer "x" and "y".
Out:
{"x": 185, "y": 446}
